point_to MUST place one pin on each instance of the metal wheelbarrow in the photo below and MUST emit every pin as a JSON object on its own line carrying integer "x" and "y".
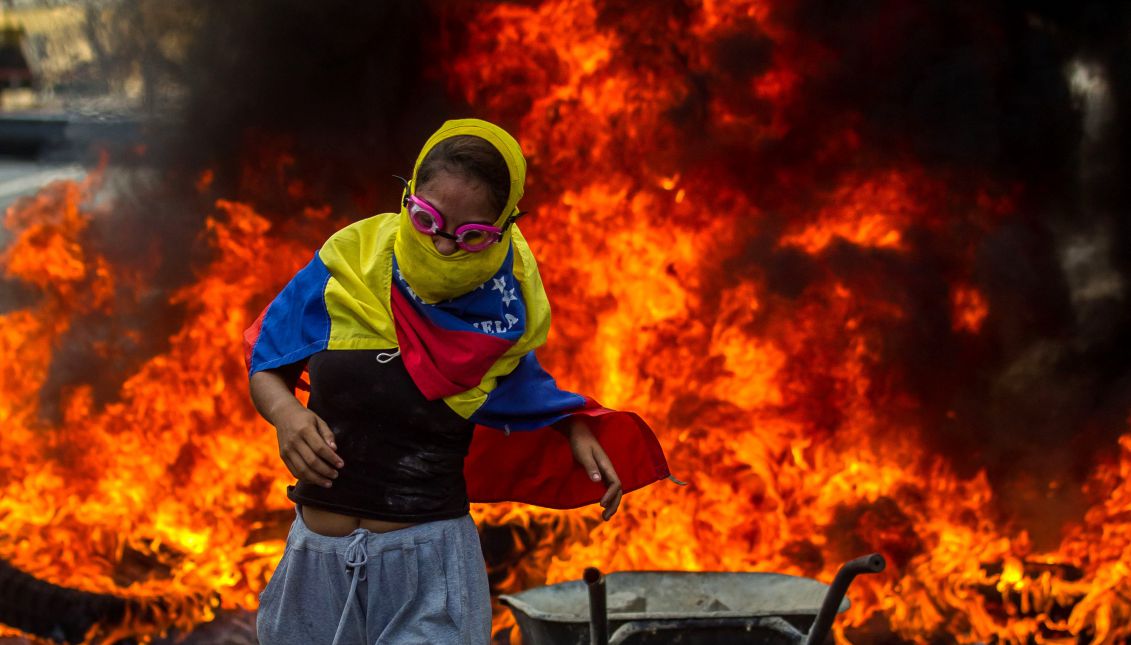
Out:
{"x": 686, "y": 607}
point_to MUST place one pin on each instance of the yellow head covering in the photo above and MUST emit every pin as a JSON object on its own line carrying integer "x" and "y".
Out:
{"x": 433, "y": 275}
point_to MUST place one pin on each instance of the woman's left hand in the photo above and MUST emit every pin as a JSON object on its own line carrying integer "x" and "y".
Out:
{"x": 589, "y": 453}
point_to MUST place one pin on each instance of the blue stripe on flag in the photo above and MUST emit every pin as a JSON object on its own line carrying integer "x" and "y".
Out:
{"x": 526, "y": 399}
{"x": 297, "y": 323}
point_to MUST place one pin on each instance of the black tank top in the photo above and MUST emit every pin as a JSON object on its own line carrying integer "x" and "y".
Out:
{"x": 403, "y": 453}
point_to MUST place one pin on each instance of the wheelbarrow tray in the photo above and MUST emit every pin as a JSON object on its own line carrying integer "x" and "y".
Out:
{"x": 710, "y": 607}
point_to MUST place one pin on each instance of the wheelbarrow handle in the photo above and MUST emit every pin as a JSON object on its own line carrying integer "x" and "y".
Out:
{"x": 598, "y": 611}
{"x": 873, "y": 563}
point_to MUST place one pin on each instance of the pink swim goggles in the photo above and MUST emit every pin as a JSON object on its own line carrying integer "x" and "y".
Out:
{"x": 469, "y": 237}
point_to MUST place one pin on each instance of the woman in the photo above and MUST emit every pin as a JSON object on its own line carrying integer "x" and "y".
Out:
{"x": 417, "y": 330}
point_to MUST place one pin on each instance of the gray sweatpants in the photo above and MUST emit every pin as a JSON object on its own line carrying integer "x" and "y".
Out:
{"x": 423, "y": 584}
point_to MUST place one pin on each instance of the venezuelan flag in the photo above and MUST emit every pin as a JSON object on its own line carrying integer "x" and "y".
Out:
{"x": 475, "y": 351}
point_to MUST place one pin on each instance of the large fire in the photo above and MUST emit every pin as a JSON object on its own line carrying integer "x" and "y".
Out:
{"x": 800, "y": 449}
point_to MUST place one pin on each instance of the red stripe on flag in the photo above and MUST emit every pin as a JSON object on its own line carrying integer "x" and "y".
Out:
{"x": 538, "y": 467}
{"x": 250, "y": 336}
{"x": 442, "y": 362}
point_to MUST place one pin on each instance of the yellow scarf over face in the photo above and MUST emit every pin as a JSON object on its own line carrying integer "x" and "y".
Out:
{"x": 433, "y": 275}
{"x": 359, "y": 259}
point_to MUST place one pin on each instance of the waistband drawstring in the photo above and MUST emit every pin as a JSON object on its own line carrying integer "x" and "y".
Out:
{"x": 356, "y": 559}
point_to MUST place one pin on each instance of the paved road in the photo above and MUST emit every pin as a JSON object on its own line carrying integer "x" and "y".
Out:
{"x": 19, "y": 178}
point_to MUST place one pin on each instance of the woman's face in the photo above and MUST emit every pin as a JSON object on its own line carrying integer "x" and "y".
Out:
{"x": 460, "y": 200}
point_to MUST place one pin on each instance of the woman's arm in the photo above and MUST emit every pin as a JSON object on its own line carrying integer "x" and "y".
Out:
{"x": 589, "y": 453}
{"x": 306, "y": 443}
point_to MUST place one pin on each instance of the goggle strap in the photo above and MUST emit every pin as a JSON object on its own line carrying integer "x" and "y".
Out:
{"x": 407, "y": 192}
{"x": 511, "y": 220}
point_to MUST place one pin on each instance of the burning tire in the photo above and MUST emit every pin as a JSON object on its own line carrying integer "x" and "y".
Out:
{"x": 50, "y": 611}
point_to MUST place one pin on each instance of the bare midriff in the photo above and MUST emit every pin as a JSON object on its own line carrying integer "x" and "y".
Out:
{"x": 334, "y": 524}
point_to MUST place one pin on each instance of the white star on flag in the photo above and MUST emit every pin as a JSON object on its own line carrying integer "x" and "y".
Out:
{"x": 500, "y": 285}
{"x": 509, "y": 296}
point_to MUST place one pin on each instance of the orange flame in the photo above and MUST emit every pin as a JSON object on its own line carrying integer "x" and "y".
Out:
{"x": 173, "y": 495}
{"x": 176, "y": 473}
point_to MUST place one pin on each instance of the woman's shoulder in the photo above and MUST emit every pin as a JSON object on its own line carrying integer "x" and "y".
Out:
{"x": 379, "y": 224}
{"x": 363, "y": 236}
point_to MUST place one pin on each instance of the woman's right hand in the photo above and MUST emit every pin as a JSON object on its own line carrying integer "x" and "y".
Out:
{"x": 307, "y": 446}
{"x": 306, "y": 442}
